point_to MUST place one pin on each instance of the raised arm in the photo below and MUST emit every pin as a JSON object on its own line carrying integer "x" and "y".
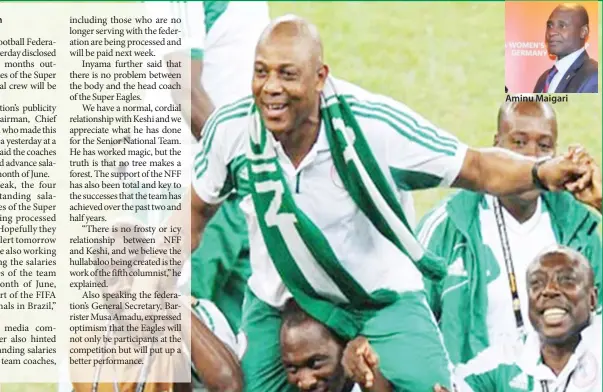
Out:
{"x": 201, "y": 105}
{"x": 187, "y": 61}
{"x": 501, "y": 172}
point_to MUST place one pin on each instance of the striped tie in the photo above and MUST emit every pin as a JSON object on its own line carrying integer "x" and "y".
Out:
{"x": 549, "y": 78}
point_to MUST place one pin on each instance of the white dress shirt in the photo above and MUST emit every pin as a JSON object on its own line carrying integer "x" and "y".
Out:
{"x": 562, "y": 66}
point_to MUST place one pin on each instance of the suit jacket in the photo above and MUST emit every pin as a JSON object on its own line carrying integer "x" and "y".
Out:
{"x": 581, "y": 77}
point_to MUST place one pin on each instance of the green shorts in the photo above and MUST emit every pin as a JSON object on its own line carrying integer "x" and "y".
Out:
{"x": 404, "y": 335}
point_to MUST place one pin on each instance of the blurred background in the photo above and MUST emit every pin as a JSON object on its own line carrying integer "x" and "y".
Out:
{"x": 445, "y": 60}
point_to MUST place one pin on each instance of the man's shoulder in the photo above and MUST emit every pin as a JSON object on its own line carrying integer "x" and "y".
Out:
{"x": 230, "y": 114}
{"x": 355, "y": 94}
{"x": 226, "y": 122}
{"x": 591, "y": 66}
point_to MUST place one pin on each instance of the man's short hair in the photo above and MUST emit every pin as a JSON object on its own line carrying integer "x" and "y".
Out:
{"x": 293, "y": 315}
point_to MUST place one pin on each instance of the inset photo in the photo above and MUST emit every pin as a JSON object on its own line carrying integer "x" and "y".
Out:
{"x": 551, "y": 47}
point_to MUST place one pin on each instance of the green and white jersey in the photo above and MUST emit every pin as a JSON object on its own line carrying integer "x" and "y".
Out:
{"x": 518, "y": 367}
{"x": 411, "y": 152}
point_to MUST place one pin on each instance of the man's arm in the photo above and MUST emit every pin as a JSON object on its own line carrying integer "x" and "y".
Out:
{"x": 201, "y": 105}
{"x": 421, "y": 156}
{"x": 501, "y": 172}
{"x": 215, "y": 363}
{"x": 188, "y": 62}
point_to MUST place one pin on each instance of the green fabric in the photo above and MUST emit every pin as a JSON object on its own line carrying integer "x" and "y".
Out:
{"x": 197, "y": 54}
{"x": 220, "y": 265}
{"x": 406, "y": 338}
{"x": 282, "y": 223}
{"x": 213, "y": 11}
{"x": 462, "y": 315}
{"x": 261, "y": 361}
{"x": 404, "y": 335}
{"x": 497, "y": 379}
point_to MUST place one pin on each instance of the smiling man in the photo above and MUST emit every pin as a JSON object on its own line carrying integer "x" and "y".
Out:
{"x": 564, "y": 352}
{"x": 574, "y": 71}
{"x": 489, "y": 241}
{"x": 311, "y": 354}
{"x": 317, "y": 161}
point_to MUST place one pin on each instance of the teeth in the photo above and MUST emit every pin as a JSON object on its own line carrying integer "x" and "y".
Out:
{"x": 275, "y": 107}
{"x": 554, "y": 314}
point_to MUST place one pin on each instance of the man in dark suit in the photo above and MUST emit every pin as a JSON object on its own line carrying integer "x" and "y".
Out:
{"x": 573, "y": 72}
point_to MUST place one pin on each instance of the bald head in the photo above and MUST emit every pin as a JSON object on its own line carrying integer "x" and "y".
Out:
{"x": 299, "y": 31}
{"x": 530, "y": 108}
{"x": 576, "y": 10}
{"x": 574, "y": 258}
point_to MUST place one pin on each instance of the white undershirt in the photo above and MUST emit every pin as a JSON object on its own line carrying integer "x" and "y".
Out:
{"x": 526, "y": 240}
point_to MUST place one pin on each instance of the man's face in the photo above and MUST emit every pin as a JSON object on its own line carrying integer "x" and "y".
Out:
{"x": 561, "y": 297}
{"x": 312, "y": 358}
{"x": 564, "y": 32}
{"x": 529, "y": 135}
{"x": 287, "y": 81}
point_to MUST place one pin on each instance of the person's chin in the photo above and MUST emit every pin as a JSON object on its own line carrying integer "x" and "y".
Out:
{"x": 277, "y": 126}
{"x": 557, "y": 334}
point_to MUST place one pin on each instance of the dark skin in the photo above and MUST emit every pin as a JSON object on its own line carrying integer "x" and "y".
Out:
{"x": 289, "y": 74}
{"x": 590, "y": 195}
{"x": 361, "y": 364}
{"x": 311, "y": 355}
{"x": 566, "y": 29}
{"x": 562, "y": 296}
{"x": 530, "y": 129}
{"x": 560, "y": 280}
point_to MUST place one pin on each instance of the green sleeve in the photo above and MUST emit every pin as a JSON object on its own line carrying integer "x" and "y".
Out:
{"x": 196, "y": 54}
{"x": 481, "y": 382}
{"x": 592, "y": 251}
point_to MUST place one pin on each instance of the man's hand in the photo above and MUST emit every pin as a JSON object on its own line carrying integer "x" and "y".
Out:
{"x": 560, "y": 173}
{"x": 591, "y": 194}
{"x": 360, "y": 362}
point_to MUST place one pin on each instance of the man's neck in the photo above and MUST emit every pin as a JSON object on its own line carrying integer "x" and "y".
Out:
{"x": 298, "y": 143}
{"x": 556, "y": 356}
{"x": 561, "y": 57}
{"x": 521, "y": 210}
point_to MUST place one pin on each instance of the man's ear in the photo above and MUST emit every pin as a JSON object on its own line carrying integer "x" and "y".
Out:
{"x": 323, "y": 74}
{"x": 584, "y": 32}
{"x": 594, "y": 299}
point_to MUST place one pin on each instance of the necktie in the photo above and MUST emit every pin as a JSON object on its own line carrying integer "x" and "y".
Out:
{"x": 549, "y": 78}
